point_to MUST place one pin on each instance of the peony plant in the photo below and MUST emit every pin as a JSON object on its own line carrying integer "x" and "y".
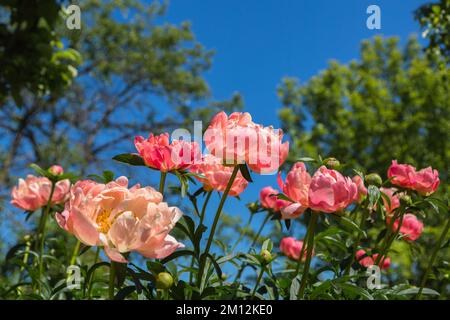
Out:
{"x": 331, "y": 225}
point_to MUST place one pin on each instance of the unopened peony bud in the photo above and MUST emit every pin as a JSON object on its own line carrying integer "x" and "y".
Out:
{"x": 56, "y": 170}
{"x": 374, "y": 179}
{"x": 406, "y": 199}
{"x": 224, "y": 276}
{"x": 253, "y": 207}
{"x": 332, "y": 163}
{"x": 164, "y": 280}
{"x": 266, "y": 256}
{"x": 27, "y": 238}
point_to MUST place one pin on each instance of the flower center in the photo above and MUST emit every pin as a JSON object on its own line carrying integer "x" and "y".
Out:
{"x": 103, "y": 221}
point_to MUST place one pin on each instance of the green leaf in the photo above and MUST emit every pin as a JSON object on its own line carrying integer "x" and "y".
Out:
{"x": 267, "y": 245}
{"x": 373, "y": 194}
{"x": 40, "y": 171}
{"x": 130, "y": 158}
{"x": 177, "y": 254}
{"x": 425, "y": 291}
{"x": 108, "y": 176}
{"x": 306, "y": 159}
{"x": 293, "y": 290}
{"x": 350, "y": 225}
{"x": 245, "y": 172}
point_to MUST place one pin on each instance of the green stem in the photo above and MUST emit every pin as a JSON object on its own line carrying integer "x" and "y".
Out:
{"x": 390, "y": 239}
{"x": 302, "y": 251}
{"x": 309, "y": 250}
{"x": 76, "y": 249}
{"x": 362, "y": 224}
{"x": 433, "y": 257}
{"x": 112, "y": 278}
{"x": 243, "y": 232}
{"x": 162, "y": 182}
{"x": 261, "y": 228}
{"x": 214, "y": 225}
{"x": 202, "y": 217}
{"x": 258, "y": 280}
{"x": 89, "y": 293}
{"x": 42, "y": 240}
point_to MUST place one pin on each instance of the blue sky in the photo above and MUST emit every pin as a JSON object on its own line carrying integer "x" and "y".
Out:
{"x": 258, "y": 42}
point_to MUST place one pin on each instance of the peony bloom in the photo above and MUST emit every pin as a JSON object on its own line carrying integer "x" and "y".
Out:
{"x": 330, "y": 191}
{"x": 367, "y": 261}
{"x": 161, "y": 155}
{"x": 120, "y": 219}
{"x": 217, "y": 176}
{"x": 296, "y": 187}
{"x": 362, "y": 191}
{"x": 269, "y": 199}
{"x": 56, "y": 170}
{"x": 237, "y": 139}
{"x": 33, "y": 193}
{"x": 411, "y": 227}
{"x": 425, "y": 181}
{"x": 292, "y": 248}
{"x": 394, "y": 199}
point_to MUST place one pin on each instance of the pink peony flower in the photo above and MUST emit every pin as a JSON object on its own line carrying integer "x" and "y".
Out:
{"x": 296, "y": 187}
{"x": 33, "y": 193}
{"x": 425, "y": 181}
{"x": 367, "y": 261}
{"x": 237, "y": 139}
{"x": 120, "y": 219}
{"x": 394, "y": 199}
{"x": 292, "y": 248}
{"x": 330, "y": 191}
{"x": 159, "y": 154}
{"x": 217, "y": 175}
{"x": 362, "y": 191}
{"x": 269, "y": 199}
{"x": 411, "y": 226}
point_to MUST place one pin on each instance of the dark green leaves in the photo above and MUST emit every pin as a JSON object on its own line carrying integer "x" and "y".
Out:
{"x": 130, "y": 158}
{"x": 245, "y": 172}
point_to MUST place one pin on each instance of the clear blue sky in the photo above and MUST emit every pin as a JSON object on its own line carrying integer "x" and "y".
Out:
{"x": 258, "y": 42}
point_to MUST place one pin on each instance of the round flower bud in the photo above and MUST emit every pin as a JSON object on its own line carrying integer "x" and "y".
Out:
{"x": 164, "y": 280}
{"x": 374, "y": 179}
{"x": 331, "y": 163}
{"x": 224, "y": 276}
{"x": 266, "y": 256}
{"x": 253, "y": 207}
{"x": 406, "y": 199}
{"x": 56, "y": 170}
{"x": 27, "y": 238}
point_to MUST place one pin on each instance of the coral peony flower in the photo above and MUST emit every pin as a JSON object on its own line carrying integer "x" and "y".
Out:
{"x": 159, "y": 154}
{"x": 56, "y": 170}
{"x": 330, "y": 191}
{"x": 269, "y": 199}
{"x": 237, "y": 139}
{"x": 292, "y": 248}
{"x": 367, "y": 261}
{"x": 120, "y": 219}
{"x": 296, "y": 187}
{"x": 394, "y": 199}
{"x": 217, "y": 176}
{"x": 362, "y": 191}
{"x": 425, "y": 181}
{"x": 411, "y": 227}
{"x": 33, "y": 193}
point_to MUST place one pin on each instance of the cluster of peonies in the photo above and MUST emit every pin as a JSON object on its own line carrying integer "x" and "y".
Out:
{"x": 120, "y": 219}
{"x": 292, "y": 248}
{"x": 123, "y": 219}
{"x": 33, "y": 193}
